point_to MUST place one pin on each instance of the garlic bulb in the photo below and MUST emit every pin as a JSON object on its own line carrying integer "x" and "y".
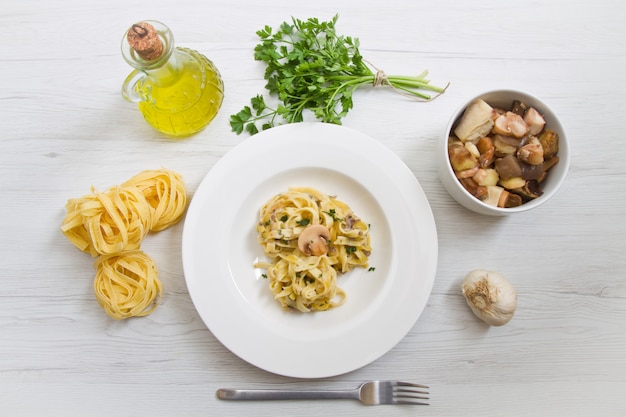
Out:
{"x": 491, "y": 297}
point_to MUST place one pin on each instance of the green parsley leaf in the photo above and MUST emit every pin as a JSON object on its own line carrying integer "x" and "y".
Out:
{"x": 332, "y": 213}
{"x": 258, "y": 104}
{"x": 238, "y": 121}
{"x": 310, "y": 67}
{"x": 303, "y": 222}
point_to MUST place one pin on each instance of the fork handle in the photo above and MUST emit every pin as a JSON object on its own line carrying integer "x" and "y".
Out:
{"x": 266, "y": 394}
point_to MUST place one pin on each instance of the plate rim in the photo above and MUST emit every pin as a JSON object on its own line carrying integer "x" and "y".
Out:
{"x": 309, "y": 131}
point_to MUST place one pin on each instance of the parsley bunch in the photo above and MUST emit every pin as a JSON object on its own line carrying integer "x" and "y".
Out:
{"x": 310, "y": 66}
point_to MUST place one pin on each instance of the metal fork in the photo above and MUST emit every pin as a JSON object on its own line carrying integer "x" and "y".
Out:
{"x": 369, "y": 393}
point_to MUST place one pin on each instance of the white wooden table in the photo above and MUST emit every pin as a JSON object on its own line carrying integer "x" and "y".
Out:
{"x": 66, "y": 127}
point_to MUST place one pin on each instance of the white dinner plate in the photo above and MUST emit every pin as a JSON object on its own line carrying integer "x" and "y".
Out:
{"x": 220, "y": 246}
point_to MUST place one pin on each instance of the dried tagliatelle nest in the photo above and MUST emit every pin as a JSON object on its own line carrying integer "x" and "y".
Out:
{"x": 118, "y": 219}
{"x": 127, "y": 284}
{"x": 112, "y": 224}
{"x": 165, "y": 193}
{"x": 108, "y": 222}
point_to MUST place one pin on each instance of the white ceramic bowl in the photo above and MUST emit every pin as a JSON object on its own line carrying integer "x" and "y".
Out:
{"x": 555, "y": 178}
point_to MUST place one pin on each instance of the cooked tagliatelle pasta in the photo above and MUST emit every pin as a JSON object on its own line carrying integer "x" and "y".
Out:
{"x": 310, "y": 238}
{"x": 127, "y": 284}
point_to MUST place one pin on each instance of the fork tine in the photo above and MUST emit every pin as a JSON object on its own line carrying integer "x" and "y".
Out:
{"x": 409, "y": 388}
{"x": 409, "y": 402}
{"x": 408, "y": 384}
{"x": 410, "y": 399}
{"x": 409, "y": 393}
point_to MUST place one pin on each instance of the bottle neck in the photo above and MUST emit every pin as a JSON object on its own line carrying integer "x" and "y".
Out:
{"x": 168, "y": 73}
{"x": 138, "y": 45}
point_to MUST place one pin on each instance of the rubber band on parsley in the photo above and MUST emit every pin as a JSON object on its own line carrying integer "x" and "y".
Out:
{"x": 311, "y": 67}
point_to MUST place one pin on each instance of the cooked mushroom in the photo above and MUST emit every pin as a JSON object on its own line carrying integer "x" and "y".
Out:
{"x": 478, "y": 191}
{"x": 519, "y": 107}
{"x": 534, "y": 120}
{"x": 505, "y": 145}
{"x": 530, "y": 190}
{"x": 508, "y": 200}
{"x": 499, "y": 197}
{"x": 531, "y": 152}
{"x": 313, "y": 240}
{"x": 477, "y": 121}
{"x": 533, "y": 172}
{"x": 351, "y": 219}
{"x": 461, "y": 158}
{"x": 486, "y": 176}
{"x": 493, "y": 195}
{"x": 471, "y": 146}
{"x": 508, "y": 167}
{"x": 545, "y": 167}
{"x": 487, "y": 151}
{"x": 550, "y": 163}
{"x": 549, "y": 140}
{"x": 467, "y": 173}
{"x": 512, "y": 183}
{"x": 511, "y": 124}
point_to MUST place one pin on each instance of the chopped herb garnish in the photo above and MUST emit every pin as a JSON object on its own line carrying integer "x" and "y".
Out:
{"x": 350, "y": 249}
{"x": 332, "y": 213}
{"x": 371, "y": 268}
{"x": 303, "y": 222}
{"x": 284, "y": 218}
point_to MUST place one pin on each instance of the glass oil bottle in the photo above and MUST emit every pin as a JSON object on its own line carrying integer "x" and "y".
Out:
{"x": 178, "y": 90}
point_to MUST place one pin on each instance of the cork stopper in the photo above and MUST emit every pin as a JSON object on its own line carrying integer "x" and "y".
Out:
{"x": 144, "y": 39}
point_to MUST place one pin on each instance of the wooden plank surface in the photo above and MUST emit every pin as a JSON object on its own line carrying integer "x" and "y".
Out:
{"x": 66, "y": 128}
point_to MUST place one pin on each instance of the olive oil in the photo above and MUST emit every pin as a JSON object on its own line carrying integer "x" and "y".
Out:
{"x": 189, "y": 103}
{"x": 178, "y": 90}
